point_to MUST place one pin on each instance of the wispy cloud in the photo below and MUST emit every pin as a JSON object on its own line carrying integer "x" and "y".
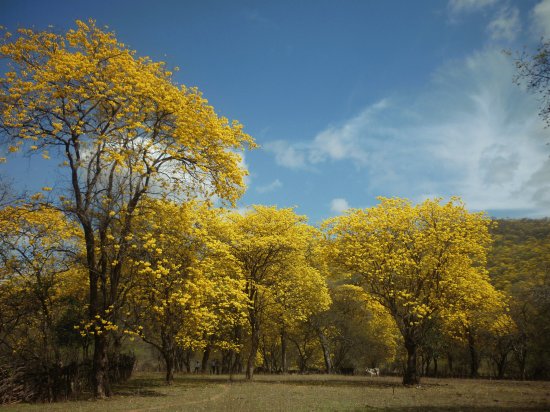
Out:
{"x": 541, "y": 16}
{"x": 338, "y": 205}
{"x": 254, "y": 16}
{"x": 465, "y": 6}
{"x": 243, "y": 165}
{"x": 343, "y": 142}
{"x": 506, "y": 24}
{"x": 472, "y": 133}
{"x": 492, "y": 141}
{"x": 276, "y": 184}
{"x": 288, "y": 155}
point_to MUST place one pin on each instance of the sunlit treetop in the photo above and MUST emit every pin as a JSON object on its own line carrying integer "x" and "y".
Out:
{"x": 89, "y": 95}
{"x": 415, "y": 259}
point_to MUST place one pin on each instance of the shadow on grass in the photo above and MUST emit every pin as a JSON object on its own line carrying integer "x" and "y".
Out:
{"x": 142, "y": 383}
{"x": 140, "y": 387}
{"x": 142, "y": 393}
{"x": 148, "y": 386}
{"x": 336, "y": 383}
{"x": 202, "y": 380}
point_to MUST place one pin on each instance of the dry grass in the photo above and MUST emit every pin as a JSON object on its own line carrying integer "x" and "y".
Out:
{"x": 147, "y": 392}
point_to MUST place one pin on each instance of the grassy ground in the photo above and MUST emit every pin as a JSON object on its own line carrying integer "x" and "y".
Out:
{"x": 147, "y": 392}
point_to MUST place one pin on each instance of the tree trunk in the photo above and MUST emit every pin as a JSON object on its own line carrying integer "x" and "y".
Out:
{"x": 114, "y": 361}
{"x": 100, "y": 378}
{"x": 411, "y": 375}
{"x": 326, "y": 351}
{"x": 283, "y": 351}
{"x": 501, "y": 365}
{"x": 266, "y": 357}
{"x": 169, "y": 361}
{"x": 435, "y": 367}
{"x": 100, "y": 375}
{"x": 205, "y": 357}
{"x": 474, "y": 357}
{"x": 187, "y": 360}
{"x": 520, "y": 352}
{"x": 237, "y": 365}
{"x": 255, "y": 341}
{"x": 522, "y": 363}
{"x": 428, "y": 364}
{"x": 235, "y": 358}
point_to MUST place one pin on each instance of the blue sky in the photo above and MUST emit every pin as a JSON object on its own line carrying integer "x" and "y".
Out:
{"x": 349, "y": 100}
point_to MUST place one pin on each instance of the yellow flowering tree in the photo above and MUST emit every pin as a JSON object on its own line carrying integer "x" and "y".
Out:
{"x": 188, "y": 286}
{"x": 123, "y": 130}
{"x": 481, "y": 318}
{"x": 415, "y": 260}
{"x": 39, "y": 248}
{"x": 358, "y": 331}
{"x": 272, "y": 246}
{"x": 299, "y": 295}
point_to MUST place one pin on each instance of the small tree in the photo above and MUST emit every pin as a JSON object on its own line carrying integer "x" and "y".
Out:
{"x": 479, "y": 317}
{"x": 123, "y": 130}
{"x": 363, "y": 333}
{"x": 38, "y": 271}
{"x": 414, "y": 260}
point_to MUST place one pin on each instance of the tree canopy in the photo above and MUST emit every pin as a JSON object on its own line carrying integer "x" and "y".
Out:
{"x": 123, "y": 130}
{"x": 415, "y": 260}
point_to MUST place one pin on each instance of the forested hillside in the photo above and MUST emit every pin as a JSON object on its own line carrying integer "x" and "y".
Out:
{"x": 519, "y": 264}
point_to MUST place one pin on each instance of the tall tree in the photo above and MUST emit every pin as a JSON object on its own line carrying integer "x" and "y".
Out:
{"x": 272, "y": 246}
{"x": 415, "y": 260}
{"x": 123, "y": 130}
{"x": 188, "y": 285}
{"x": 300, "y": 294}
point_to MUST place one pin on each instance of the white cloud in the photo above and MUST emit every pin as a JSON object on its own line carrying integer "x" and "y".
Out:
{"x": 462, "y": 6}
{"x": 286, "y": 154}
{"x": 276, "y": 184}
{"x": 491, "y": 141}
{"x": 344, "y": 142}
{"x": 472, "y": 133}
{"x": 541, "y": 16}
{"x": 338, "y": 205}
{"x": 254, "y": 15}
{"x": 506, "y": 25}
{"x": 243, "y": 165}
